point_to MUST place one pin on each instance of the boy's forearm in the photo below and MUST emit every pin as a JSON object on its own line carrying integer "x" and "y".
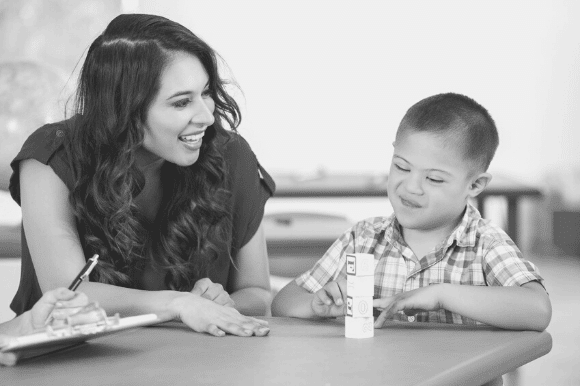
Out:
{"x": 293, "y": 301}
{"x": 518, "y": 308}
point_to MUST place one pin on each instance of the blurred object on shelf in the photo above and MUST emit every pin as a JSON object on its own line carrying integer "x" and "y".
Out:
{"x": 323, "y": 184}
{"x": 566, "y": 231}
{"x": 297, "y": 240}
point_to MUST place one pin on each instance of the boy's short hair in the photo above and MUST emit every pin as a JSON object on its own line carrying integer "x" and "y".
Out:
{"x": 459, "y": 117}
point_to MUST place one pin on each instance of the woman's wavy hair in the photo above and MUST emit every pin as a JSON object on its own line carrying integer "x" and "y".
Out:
{"x": 118, "y": 82}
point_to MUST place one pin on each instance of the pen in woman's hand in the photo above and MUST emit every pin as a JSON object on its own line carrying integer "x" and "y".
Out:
{"x": 84, "y": 273}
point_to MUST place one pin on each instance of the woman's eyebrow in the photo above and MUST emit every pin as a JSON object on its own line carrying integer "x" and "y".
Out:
{"x": 185, "y": 92}
{"x": 180, "y": 93}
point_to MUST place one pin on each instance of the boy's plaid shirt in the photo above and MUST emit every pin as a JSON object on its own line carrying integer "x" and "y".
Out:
{"x": 476, "y": 253}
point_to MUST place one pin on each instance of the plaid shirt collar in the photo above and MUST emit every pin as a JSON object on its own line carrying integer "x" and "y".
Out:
{"x": 464, "y": 235}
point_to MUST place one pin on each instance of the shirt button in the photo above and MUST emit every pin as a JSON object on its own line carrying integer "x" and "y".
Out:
{"x": 59, "y": 133}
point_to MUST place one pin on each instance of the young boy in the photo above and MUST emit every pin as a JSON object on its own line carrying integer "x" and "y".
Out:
{"x": 436, "y": 259}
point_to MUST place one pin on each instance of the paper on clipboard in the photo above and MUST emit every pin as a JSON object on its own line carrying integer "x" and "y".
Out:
{"x": 67, "y": 336}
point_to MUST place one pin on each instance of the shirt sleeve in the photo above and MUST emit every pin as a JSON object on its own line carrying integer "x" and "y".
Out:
{"x": 250, "y": 185}
{"x": 45, "y": 146}
{"x": 331, "y": 264}
{"x": 504, "y": 265}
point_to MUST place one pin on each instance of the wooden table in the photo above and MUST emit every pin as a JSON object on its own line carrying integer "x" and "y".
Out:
{"x": 297, "y": 352}
{"x": 362, "y": 185}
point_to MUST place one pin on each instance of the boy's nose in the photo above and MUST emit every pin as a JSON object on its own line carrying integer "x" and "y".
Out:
{"x": 414, "y": 184}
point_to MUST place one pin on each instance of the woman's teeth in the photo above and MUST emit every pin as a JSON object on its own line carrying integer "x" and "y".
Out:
{"x": 191, "y": 138}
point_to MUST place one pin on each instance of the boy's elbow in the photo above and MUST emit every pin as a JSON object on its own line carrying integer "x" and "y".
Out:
{"x": 544, "y": 314}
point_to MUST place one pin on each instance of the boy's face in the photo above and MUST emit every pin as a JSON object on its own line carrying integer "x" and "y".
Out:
{"x": 429, "y": 182}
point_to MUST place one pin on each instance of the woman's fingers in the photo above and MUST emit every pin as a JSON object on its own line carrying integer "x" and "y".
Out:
{"x": 79, "y": 300}
{"x": 8, "y": 358}
{"x": 215, "y": 331}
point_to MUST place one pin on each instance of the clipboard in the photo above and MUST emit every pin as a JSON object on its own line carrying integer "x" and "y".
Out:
{"x": 55, "y": 339}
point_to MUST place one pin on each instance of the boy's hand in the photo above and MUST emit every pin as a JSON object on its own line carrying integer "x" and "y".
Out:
{"x": 329, "y": 300}
{"x": 410, "y": 302}
{"x": 212, "y": 291}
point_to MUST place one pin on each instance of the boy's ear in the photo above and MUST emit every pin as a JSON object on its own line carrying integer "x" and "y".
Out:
{"x": 478, "y": 183}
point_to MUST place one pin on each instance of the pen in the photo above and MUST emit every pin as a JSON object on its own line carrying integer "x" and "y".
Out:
{"x": 84, "y": 273}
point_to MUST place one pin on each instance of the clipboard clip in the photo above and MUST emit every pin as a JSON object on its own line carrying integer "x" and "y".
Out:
{"x": 90, "y": 320}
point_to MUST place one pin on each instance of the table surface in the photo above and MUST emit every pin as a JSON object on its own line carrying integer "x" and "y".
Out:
{"x": 296, "y": 352}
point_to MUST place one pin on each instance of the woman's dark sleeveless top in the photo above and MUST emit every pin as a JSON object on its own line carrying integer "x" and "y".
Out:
{"x": 250, "y": 186}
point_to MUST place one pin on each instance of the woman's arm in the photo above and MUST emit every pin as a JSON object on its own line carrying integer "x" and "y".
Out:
{"x": 251, "y": 280}
{"x": 57, "y": 256}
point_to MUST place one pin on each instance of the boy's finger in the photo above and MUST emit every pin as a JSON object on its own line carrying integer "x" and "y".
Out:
{"x": 380, "y": 303}
{"x": 381, "y": 319}
{"x": 322, "y": 295}
{"x": 336, "y": 293}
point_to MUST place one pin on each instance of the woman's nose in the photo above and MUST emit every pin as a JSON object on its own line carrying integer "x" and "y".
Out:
{"x": 203, "y": 112}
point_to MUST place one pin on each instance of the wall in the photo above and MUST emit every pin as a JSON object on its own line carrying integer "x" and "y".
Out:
{"x": 327, "y": 82}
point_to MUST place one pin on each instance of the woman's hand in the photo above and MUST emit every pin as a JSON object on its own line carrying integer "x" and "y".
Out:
{"x": 7, "y": 358}
{"x": 58, "y": 304}
{"x": 212, "y": 291}
{"x": 203, "y": 315}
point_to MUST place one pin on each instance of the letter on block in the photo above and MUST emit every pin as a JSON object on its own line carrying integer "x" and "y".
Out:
{"x": 359, "y": 306}
{"x": 360, "y": 264}
{"x": 359, "y": 327}
{"x": 360, "y": 285}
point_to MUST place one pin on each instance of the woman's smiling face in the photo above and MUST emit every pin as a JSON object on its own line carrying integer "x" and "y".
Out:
{"x": 180, "y": 113}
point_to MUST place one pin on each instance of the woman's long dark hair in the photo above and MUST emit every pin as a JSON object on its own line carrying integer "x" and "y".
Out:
{"x": 118, "y": 82}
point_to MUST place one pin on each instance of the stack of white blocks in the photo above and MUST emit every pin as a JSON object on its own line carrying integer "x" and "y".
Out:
{"x": 360, "y": 281}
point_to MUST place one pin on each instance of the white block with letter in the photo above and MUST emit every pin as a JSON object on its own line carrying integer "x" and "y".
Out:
{"x": 360, "y": 288}
{"x": 359, "y": 306}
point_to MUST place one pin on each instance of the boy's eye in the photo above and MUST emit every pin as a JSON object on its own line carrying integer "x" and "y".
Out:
{"x": 181, "y": 103}
{"x": 435, "y": 180}
{"x": 401, "y": 168}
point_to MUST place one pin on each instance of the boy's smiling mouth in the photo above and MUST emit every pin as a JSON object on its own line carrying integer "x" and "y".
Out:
{"x": 409, "y": 203}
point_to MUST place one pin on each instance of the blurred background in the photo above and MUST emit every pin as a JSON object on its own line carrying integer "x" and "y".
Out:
{"x": 323, "y": 86}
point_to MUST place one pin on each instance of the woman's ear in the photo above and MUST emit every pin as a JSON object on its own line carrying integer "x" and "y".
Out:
{"x": 478, "y": 183}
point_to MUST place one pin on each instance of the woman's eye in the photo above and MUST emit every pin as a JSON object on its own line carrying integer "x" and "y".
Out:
{"x": 181, "y": 103}
{"x": 435, "y": 180}
{"x": 206, "y": 93}
{"x": 401, "y": 168}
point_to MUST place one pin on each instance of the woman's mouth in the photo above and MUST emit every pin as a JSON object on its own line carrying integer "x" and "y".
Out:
{"x": 192, "y": 141}
{"x": 192, "y": 138}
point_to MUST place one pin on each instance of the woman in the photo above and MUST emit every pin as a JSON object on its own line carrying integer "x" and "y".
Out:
{"x": 146, "y": 176}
